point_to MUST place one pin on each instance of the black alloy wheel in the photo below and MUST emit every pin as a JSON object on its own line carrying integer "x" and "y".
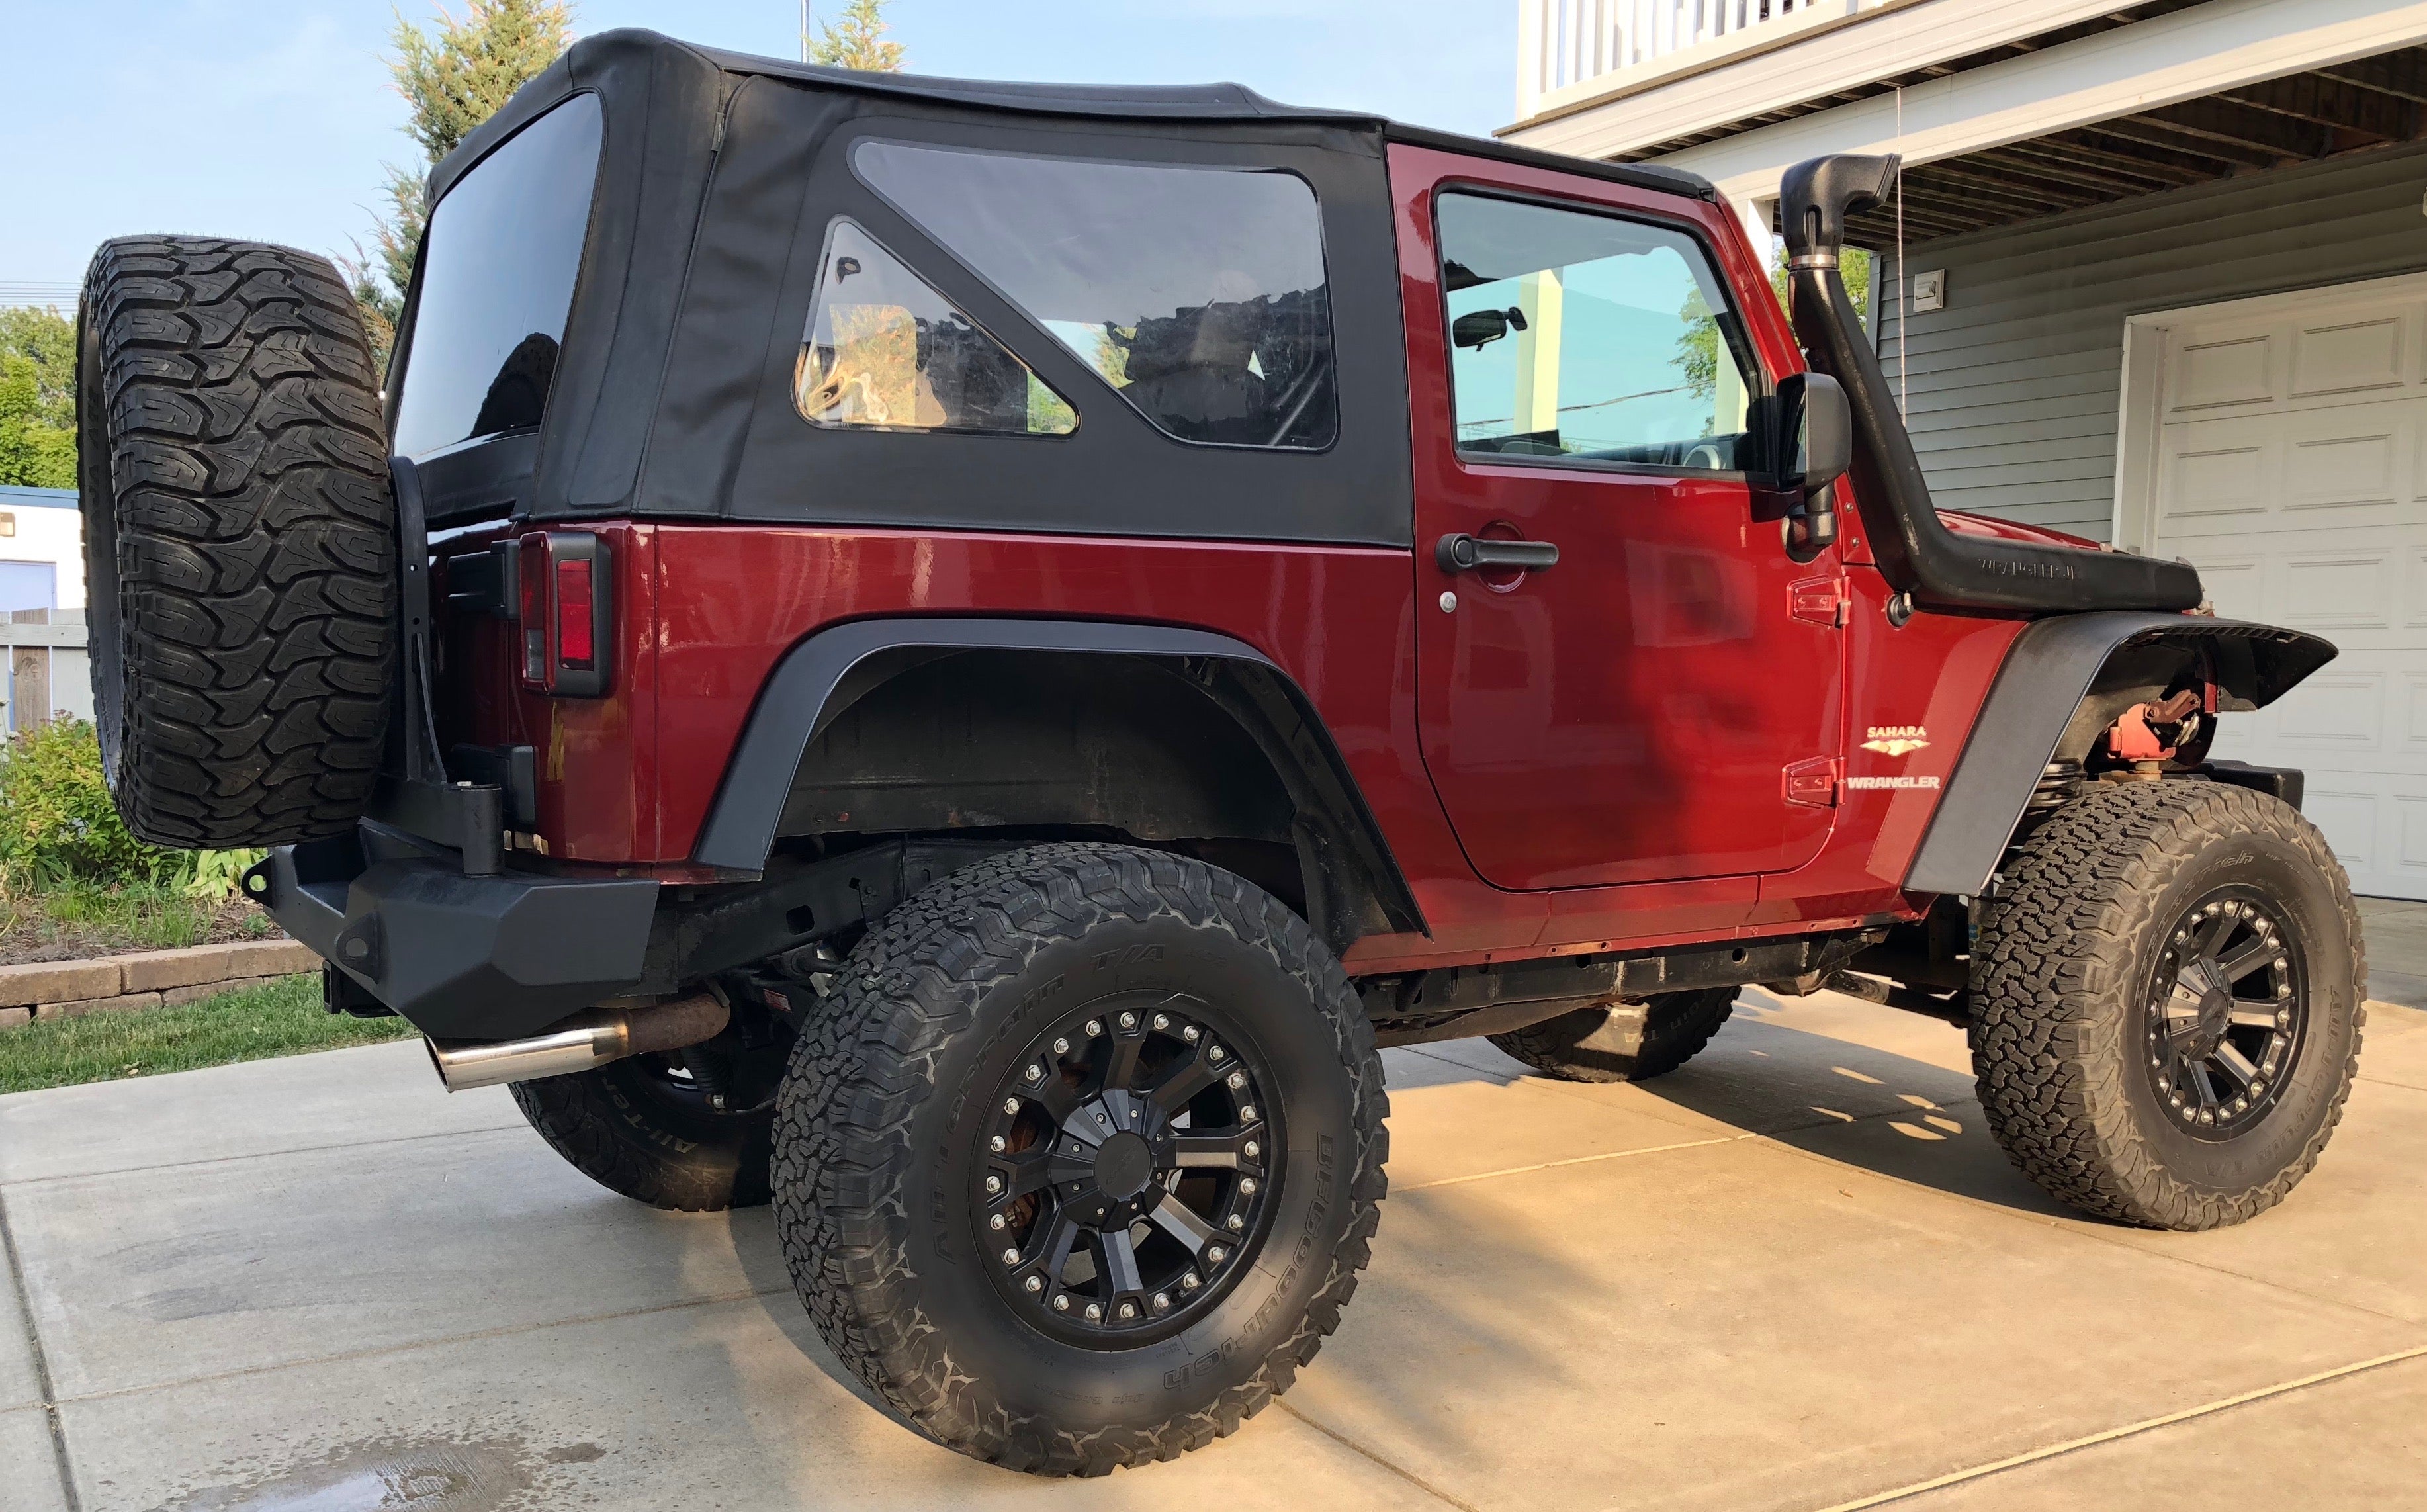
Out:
{"x": 1124, "y": 1170}
{"x": 2227, "y": 1014}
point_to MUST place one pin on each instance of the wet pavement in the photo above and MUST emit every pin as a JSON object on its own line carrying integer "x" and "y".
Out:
{"x": 1795, "y": 1275}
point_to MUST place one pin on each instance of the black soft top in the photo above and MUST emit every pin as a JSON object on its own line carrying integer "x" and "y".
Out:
{"x": 717, "y": 174}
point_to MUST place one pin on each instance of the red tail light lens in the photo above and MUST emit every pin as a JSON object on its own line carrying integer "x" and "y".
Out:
{"x": 566, "y": 623}
{"x": 573, "y": 609}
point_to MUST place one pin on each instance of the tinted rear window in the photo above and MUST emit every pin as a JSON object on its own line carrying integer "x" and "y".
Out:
{"x": 497, "y": 281}
{"x": 1197, "y": 292}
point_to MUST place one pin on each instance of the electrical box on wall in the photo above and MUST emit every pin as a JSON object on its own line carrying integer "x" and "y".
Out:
{"x": 1930, "y": 290}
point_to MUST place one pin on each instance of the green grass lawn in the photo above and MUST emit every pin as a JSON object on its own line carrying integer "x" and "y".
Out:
{"x": 281, "y": 1017}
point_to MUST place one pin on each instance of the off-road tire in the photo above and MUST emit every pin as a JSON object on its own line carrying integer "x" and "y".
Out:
{"x": 1598, "y": 1044}
{"x": 938, "y": 995}
{"x": 614, "y": 1128}
{"x": 2062, "y": 975}
{"x": 239, "y": 540}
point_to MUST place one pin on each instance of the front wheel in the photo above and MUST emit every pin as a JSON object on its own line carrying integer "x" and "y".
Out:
{"x": 1082, "y": 1163}
{"x": 2166, "y": 1003}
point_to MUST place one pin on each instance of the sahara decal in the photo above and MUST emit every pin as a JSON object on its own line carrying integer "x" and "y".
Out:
{"x": 1897, "y": 739}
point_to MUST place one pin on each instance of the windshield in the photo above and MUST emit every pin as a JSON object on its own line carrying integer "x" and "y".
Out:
{"x": 497, "y": 266}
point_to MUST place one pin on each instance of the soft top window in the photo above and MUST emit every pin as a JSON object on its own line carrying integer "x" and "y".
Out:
{"x": 497, "y": 266}
{"x": 1197, "y": 292}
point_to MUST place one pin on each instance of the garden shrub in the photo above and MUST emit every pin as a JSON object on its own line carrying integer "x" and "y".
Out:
{"x": 58, "y": 826}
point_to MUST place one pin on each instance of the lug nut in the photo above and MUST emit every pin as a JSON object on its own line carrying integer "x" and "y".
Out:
{"x": 1129, "y": 1020}
{"x": 1246, "y": 1186}
{"x": 1094, "y": 1311}
{"x": 1162, "y": 1302}
{"x": 994, "y": 1184}
{"x": 1034, "y": 1284}
{"x": 995, "y": 1144}
{"x": 1190, "y": 1034}
{"x": 1011, "y": 1256}
{"x": 1062, "y": 1301}
{"x": 1163, "y": 1020}
{"x": 1234, "y": 1223}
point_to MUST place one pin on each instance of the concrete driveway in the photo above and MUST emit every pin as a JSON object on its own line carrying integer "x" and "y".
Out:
{"x": 1796, "y": 1274}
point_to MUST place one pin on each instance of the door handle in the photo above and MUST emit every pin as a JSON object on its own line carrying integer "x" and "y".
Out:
{"x": 1467, "y": 553}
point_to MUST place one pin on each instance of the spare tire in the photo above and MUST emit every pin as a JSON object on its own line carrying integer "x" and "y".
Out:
{"x": 239, "y": 537}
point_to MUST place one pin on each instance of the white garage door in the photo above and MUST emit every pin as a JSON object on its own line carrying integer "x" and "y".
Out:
{"x": 2291, "y": 468}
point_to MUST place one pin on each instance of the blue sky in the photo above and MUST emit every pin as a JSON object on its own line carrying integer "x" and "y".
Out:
{"x": 270, "y": 119}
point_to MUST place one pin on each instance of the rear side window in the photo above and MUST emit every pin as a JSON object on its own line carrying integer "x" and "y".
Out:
{"x": 497, "y": 266}
{"x": 1196, "y": 293}
{"x": 885, "y": 351}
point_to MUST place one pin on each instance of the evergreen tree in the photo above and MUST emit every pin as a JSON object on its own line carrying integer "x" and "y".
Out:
{"x": 857, "y": 40}
{"x": 455, "y": 75}
{"x": 37, "y": 399}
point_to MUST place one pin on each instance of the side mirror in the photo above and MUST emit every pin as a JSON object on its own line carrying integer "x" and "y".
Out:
{"x": 1816, "y": 445}
{"x": 1479, "y": 329}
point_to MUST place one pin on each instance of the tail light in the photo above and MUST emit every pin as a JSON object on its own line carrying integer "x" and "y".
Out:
{"x": 567, "y": 618}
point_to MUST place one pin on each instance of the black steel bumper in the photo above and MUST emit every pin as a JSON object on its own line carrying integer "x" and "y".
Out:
{"x": 461, "y": 957}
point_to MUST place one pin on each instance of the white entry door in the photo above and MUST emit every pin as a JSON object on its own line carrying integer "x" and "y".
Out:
{"x": 2291, "y": 471}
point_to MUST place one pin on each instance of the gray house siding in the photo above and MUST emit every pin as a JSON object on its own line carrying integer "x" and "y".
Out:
{"x": 2012, "y": 389}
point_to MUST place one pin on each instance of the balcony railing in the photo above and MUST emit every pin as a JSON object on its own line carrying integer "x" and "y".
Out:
{"x": 1566, "y": 42}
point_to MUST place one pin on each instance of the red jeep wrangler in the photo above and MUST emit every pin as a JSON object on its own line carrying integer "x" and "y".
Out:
{"x": 954, "y": 656}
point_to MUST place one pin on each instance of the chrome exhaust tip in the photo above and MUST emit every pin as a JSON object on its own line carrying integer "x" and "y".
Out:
{"x": 591, "y": 1038}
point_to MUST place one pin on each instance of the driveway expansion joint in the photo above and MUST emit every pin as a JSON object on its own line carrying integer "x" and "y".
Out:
{"x": 42, "y": 1387}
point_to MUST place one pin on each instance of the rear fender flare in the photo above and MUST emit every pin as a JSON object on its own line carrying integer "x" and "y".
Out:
{"x": 825, "y": 673}
{"x": 2053, "y": 692}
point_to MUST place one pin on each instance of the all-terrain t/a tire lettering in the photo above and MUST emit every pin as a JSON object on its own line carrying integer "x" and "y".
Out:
{"x": 2090, "y": 979}
{"x": 239, "y": 540}
{"x": 896, "y": 1094}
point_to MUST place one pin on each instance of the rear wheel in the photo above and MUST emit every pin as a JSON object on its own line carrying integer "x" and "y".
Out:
{"x": 2166, "y": 1003}
{"x": 1623, "y": 1041}
{"x": 1083, "y": 1159}
{"x": 692, "y": 1130}
{"x": 239, "y": 540}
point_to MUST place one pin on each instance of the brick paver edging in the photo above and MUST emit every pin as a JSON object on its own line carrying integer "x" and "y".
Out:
{"x": 146, "y": 979}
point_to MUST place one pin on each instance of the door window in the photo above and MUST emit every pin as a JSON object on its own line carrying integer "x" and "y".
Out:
{"x": 1591, "y": 341}
{"x": 1197, "y": 292}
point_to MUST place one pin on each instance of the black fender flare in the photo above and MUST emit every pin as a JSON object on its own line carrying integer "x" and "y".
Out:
{"x": 2048, "y": 673}
{"x": 813, "y": 682}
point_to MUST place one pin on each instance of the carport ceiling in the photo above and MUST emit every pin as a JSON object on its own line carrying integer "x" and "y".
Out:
{"x": 2356, "y": 107}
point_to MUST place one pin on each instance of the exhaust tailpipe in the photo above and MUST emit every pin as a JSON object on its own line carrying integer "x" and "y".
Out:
{"x": 589, "y": 1039}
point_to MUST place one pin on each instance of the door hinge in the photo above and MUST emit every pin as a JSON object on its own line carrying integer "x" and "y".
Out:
{"x": 1813, "y": 783}
{"x": 1823, "y": 601}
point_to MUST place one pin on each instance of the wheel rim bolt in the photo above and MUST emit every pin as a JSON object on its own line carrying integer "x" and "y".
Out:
{"x": 1189, "y": 1034}
{"x": 1188, "y": 1282}
{"x": 996, "y": 1222}
{"x": 1035, "y": 1073}
{"x": 1238, "y": 1079}
{"x": 1247, "y": 1113}
{"x": 1214, "y": 1255}
{"x": 995, "y": 1144}
{"x": 1163, "y": 1020}
{"x": 1094, "y": 1311}
{"x": 1011, "y": 1256}
{"x": 1062, "y": 1301}
{"x": 1011, "y": 1104}
{"x": 1234, "y": 1223}
{"x": 994, "y": 1184}
{"x": 1061, "y": 1046}
{"x": 1095, "y": 1027}
{"x": 1162, "y": 1302}
{"x": 1129, "y": 1020}
{"x": 1214, "y": 1055}
{"x": 1253, "y": 1149}
{"x": 1034, "y": 1284}
{"x": 1246, "y": 1186}
{"x": 1128, "y": 1311}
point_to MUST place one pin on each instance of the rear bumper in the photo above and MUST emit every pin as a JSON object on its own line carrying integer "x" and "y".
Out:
{"x": 460, "y": 957}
